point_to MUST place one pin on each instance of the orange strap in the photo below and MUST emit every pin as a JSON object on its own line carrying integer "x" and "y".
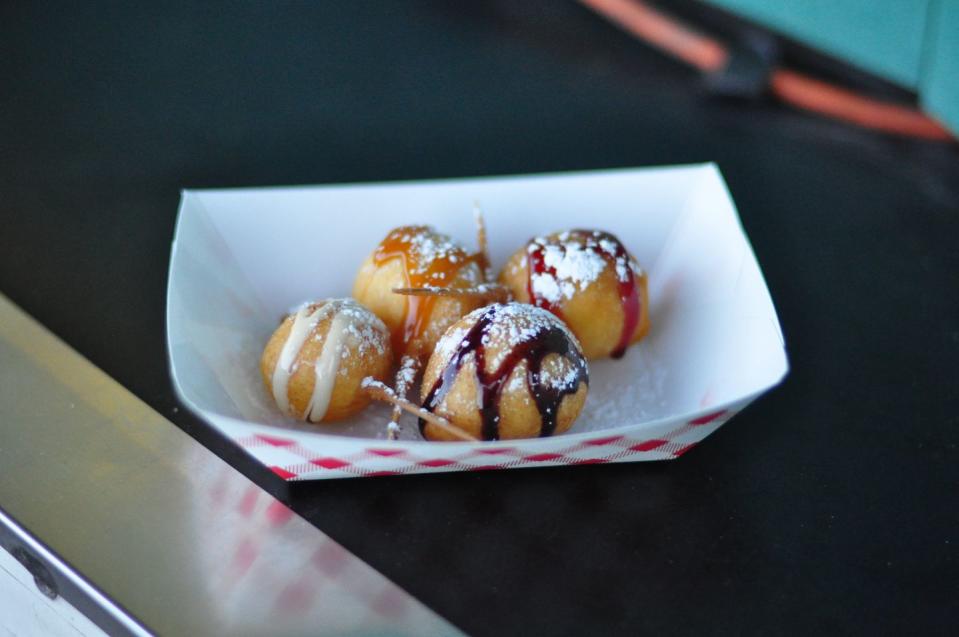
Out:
{"x": 828, "y": 99}
{"x": 709, "y": 55}
{"x": 663, "y": 32}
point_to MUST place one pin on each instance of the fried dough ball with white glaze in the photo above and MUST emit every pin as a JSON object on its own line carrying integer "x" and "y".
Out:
{"x": 315, "y": 361}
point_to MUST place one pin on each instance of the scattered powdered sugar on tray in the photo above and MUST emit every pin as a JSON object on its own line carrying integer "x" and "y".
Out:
{"x": 623, "y": 392}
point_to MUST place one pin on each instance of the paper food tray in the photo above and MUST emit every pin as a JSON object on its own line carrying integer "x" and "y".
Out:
{"x": 242, "y": 258}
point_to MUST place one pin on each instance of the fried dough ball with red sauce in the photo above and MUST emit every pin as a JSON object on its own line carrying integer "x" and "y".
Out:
{"x": 588, "y": 279}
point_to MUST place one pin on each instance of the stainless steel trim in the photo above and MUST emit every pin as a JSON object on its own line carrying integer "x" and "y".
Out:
{"x": 79, "y": 592}
{"x": 155, "y": 530}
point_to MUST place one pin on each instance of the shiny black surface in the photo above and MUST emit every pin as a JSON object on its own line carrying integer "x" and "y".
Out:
{"x": 829, "y": 505}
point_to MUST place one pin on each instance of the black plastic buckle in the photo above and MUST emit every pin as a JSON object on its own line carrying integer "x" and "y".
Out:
{"x": 746, "y": 73}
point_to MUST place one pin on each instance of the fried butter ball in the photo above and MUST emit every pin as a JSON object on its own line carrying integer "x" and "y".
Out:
{"x": 418, "y": 257}
{"x": 588, "y": 279}
{"x": 505, "y": 371}
{"x": 316, "y": 359}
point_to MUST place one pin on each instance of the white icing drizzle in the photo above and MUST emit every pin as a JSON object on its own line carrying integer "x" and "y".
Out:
{"x": 327, "y": 365}
{"x": 303, "y": 325}
{"x": 350, "y": 321}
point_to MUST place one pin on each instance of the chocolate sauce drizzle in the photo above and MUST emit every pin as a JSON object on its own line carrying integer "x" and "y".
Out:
{"x": 550, "y": 340}
{"x": 628, "y": 290}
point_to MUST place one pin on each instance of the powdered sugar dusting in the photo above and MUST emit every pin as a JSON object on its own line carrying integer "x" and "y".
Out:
{"x": 450, "y": 341}
{"x": 364, "y": 330}
{"x": 406, "y": 375}
{"x": 633, "y": 389}
{"x": 545, "y": 286}
{"x": 432, "y": 260}
{"x": 566, "y": 377}
{"x": 572, "y": 263}
{"x": 425, "y": 246}
{"x": 512, "y": 324}
{"x": 573, "y": 260}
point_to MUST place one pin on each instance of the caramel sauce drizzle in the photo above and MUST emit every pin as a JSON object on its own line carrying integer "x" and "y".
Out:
{"x": 438, "y": 271}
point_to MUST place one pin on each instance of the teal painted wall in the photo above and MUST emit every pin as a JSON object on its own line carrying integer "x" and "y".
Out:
{"x": 939, "y": 87}
{"x": 881, "y": 36}
{"x": 914, "y": 43}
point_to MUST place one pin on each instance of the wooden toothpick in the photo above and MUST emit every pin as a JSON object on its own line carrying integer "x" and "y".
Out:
{"x": 379, "y": 391}
{"x": 491, "y": 291}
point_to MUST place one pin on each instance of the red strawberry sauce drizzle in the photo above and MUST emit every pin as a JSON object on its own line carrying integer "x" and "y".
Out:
{"x": 628, "y": 290}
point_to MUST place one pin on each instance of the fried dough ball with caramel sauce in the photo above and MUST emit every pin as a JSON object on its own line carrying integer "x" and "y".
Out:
{"x": 418, "y": 257}
{"x": 314, "y": 363}
{"x": 419, "y": 282}
{"x": 505, "y": 371}
{"x": 588, "y": 279}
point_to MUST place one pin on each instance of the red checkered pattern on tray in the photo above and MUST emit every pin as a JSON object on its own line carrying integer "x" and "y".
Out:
{"x": 292, "y": 461}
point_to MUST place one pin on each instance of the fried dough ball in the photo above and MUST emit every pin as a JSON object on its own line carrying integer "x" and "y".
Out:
{"x": 587, "y": 278}
{"x": 505, "y": 371}
{"x": 421, "y": 258}
{"x": 316, "y": 359}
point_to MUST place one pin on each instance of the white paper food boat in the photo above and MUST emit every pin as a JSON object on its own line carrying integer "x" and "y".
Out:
{"x": 242, "y": 257}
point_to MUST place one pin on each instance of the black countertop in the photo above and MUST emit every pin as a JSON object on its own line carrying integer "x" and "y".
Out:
{"x": 831, "y": 504}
